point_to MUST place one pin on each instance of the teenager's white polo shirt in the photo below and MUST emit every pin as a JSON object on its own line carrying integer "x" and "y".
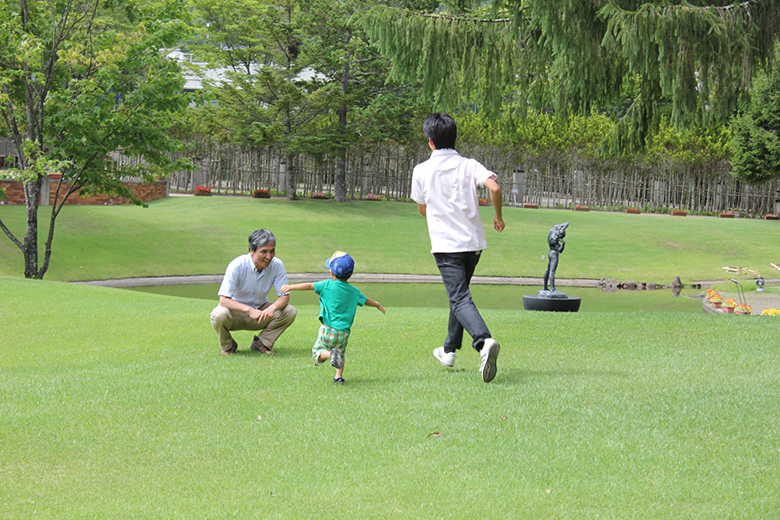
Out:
{"x": 447, "y": 185}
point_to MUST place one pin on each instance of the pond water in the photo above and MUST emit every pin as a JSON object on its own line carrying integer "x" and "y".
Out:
{"x": 506, "y": 297}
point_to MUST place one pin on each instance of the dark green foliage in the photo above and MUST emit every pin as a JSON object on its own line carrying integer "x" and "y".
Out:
{"x": 636, "y": 61}
{"x": 302, "y": 77}
{"x": 756, "y": 142}
{"x": 456, "y": 59}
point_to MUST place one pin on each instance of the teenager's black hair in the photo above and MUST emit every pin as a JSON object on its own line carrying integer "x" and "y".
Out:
{"x": 441, "y": 129}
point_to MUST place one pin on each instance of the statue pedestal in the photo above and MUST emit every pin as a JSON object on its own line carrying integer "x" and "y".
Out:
{"x": 540, "y": 303}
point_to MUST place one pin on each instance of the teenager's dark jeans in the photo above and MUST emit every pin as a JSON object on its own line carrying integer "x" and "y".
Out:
{"x": 456, "y": 271}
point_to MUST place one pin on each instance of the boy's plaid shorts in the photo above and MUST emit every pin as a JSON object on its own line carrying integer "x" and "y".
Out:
{"x": 328, "y": 339}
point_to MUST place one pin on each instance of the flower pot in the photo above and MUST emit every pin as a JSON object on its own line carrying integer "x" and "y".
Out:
{"x": 679, "y": 213}
{"x": 716, "y": 304}
{"x": 261, "y": 195}
{"x": 728, "y": 310}
{"x": 633, "y": 211}
{"x": 530, "y": 205}
{"x": 202, "y": 194}
{"x": 725, "y": 215}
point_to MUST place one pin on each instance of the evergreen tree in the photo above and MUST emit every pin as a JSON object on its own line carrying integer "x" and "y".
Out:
{"x": 308, "y": 82}
{"x": 756, "y": 133}
{"x": 269, "y": 94}
{"x": 692, "y": 60}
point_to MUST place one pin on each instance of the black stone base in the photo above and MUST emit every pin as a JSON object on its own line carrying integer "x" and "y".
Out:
{"x": 537, "y": 303}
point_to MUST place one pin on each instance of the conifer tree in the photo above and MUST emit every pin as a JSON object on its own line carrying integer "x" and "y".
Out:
{"x": 756, "y": 133}
{"x": 263, "y": 96}
{"x": 692, "y": 60}
{"x": 307, "y": 81}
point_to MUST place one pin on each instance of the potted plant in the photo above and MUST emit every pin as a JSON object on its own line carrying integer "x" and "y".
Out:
{"x": 530, "y": 205}
{"x": 261, "y": 193}
{"x": 484, "y": 202}
{"x": 634, "y": 211}
{"x": 319, "y": 195}
{"x": 371, "y": 196}
{"x": 770, "y": 312}
{"x": 202, "y": 191}
{"x": 726, "y": 214}
{"x": 581, "y": 208}
{"x": 714, "y": 298}
{"x": 743, "y": 309}
{"x": 771, "y": 217}
{"x": 679, "y": 213}
{"x": 729, "y": 305}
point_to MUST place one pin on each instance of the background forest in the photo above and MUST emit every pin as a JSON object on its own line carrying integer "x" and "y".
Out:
{"x": 605, "y": 103}
{"x": 556, "y": 86}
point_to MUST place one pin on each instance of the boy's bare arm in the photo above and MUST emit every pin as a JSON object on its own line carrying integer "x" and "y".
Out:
{"x": 375, "y": 304}
{"x": 298, "y": 287}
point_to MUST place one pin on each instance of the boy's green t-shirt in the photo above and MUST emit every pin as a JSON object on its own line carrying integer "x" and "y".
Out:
{"x": 338, "y": 303}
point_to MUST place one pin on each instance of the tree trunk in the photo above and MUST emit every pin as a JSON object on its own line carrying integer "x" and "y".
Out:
{"x": 32, "y": 197}
{"x": 341, "y": 161}
{"x": 292, "y": 182}
{"x": 292, "y": 185}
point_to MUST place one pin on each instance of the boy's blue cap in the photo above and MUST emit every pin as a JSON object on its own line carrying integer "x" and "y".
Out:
{"x": 340, "y": 264}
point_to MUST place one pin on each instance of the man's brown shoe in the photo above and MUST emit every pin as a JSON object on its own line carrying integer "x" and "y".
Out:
{"x": 231, "y": 350}
{"x": 258, "y": 346}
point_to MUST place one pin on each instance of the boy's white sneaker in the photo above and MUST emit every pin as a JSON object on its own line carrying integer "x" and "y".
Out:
{"x": 489, "y": 355}
{"x": 445, "y": 358}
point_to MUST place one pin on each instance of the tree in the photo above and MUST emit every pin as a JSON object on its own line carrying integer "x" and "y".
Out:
{"x": 270, "y": 95}
{"x": 692, "y": 61}
{"x": 369, "y": 107}
{"x": 76, "y": 87}
{"x": 756, "y": 133}
{"x": 299, "y": 75}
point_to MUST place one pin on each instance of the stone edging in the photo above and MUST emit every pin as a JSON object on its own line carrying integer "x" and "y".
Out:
{"x": 366, "y": 278}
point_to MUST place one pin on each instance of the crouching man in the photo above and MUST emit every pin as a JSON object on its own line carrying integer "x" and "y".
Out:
{"x": 243, "y": 297}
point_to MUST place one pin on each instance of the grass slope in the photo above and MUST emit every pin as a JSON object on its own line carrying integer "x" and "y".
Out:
{"x": 116, "y": 404}
{"x": 200, "y": 235}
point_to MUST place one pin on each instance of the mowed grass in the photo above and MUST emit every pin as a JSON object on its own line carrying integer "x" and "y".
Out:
{"x": 116, "y": 404}
{"x": 200, "y": 235}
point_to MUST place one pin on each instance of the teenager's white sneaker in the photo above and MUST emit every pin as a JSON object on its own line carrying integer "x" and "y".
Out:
{"x": 489, "y": 355}
{"x": 445, "y": 358}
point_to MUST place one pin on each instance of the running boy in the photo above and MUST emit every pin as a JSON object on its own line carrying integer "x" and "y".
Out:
{"x": 338, "y": 303}
{"x": 445, "y": 190}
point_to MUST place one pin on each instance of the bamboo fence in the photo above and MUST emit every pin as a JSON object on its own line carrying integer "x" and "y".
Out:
{"x": 552, "y": 181}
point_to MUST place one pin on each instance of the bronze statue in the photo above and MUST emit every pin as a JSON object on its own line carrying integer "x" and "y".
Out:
{"x": 557, "y": 244}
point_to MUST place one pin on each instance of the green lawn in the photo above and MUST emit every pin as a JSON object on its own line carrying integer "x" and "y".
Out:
{"x": 200, "y": 235}
{"x": 117, "y": 404}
